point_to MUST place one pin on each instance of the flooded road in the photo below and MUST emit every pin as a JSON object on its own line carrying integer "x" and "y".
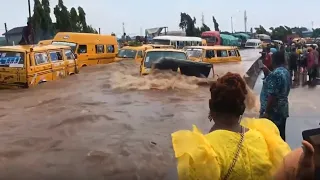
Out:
{"x": 105, "y": 123}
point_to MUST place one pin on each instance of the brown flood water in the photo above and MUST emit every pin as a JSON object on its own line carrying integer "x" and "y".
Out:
{"x": 105, "y": 123}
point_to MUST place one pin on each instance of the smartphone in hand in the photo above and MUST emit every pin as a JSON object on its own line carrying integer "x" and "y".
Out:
{"x": 313, "y": 137}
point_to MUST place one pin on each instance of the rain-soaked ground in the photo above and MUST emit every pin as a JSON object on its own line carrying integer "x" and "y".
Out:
{"x": 105, "y": 123}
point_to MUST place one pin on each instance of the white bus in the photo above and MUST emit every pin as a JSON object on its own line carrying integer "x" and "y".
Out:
{"x": 178, "y": 42}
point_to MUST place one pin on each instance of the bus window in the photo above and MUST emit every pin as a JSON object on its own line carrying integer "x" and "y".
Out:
{"x": 222, "y": 53}
{"x": 99, "y": 49}
{"x": 82, "y": 49}
{"x": 210, "y": 54}
{"x": 232, "y": 53}
{"x": 110, "y": 48}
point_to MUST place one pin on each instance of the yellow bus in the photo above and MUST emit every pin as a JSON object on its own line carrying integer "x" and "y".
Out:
{"x": 45, "y": 42}
{"x": 91, "y": 49}
{"x": 213, "y": 54}
{"x": 25, "y": 66}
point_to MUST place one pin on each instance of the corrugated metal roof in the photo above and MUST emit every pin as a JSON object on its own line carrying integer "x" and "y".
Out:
{"x": 16, "y": 30}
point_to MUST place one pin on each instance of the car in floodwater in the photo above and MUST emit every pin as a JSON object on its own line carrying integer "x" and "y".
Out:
{"x": 29, "y": 65}
{"x": 213, "y": 54}
{"x": 175, "y": 60}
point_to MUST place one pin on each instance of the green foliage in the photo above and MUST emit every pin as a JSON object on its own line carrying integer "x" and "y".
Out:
{"x": 66, "y": 21}
{"x": 316, "y": 33}
{"x": 135, "y": 43}
{"x": 216, "y": 25}
{"x": 204, "y": 28}
{"x": 46, "y": 23}
{"x": 63, "y": 17}
{"x": 74, "y": 20}
{"x": 187, "y": 24}
{"x": 282, "y": 32}
{"x": 38, "y": 12}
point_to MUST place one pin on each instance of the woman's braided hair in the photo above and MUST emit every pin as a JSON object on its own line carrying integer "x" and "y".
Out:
{"x": 228, "y": 94}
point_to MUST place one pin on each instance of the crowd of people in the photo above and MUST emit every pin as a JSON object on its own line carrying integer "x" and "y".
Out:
{"x": 250, "y": 148}
{"x": 301, "y": 60}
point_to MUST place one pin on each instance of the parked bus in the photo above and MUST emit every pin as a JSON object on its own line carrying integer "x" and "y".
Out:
{"x": 30, "y": 65}
{"x": 178, "y": 42}
{"x": 91, "y": 49}
{"x": 45, "y": 42}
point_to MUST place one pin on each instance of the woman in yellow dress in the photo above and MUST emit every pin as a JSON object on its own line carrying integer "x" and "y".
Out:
{"x": 235, "y": 148}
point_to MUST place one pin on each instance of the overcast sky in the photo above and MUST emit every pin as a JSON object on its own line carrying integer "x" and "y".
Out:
{"x": 141, "y": 14}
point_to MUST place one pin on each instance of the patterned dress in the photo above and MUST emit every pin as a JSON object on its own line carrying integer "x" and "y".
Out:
{"x": 277, "y": 84}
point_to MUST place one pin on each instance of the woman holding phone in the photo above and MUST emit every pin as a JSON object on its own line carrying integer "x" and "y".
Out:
{"x": 301, "y": 164}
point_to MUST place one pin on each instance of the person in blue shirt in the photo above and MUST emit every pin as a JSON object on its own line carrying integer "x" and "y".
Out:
{"x": 275, "y": 92}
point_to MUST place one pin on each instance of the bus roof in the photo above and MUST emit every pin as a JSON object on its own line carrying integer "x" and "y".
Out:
{"x": 164, "y": 50}
{"x": 212, "y": 47}
{"x": 143, "y": 47}
{"x": 28, "y": 48}
{"x": 83, "y": 38}
{"x": 178, "y": 38}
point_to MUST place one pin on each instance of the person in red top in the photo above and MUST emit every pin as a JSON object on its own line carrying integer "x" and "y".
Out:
{"x": 310, "y": 66}
{"x": 268, "y": 60}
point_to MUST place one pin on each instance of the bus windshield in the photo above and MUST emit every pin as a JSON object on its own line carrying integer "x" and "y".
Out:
{"x": 161, "y": 42}
{"x": 154, "y": 56}
{"x": 73, "y": 46}
{"x": 11, "y": 59}
{"x": 127, "y": 53}
{"x": 197, "y": 53}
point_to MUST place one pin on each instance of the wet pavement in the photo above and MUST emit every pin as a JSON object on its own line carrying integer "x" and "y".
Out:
{"x": 105, "y": 123}
{"x": 304, "y": 111}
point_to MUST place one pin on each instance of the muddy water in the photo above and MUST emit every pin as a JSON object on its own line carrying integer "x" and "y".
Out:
{"x": 105, "y": 123}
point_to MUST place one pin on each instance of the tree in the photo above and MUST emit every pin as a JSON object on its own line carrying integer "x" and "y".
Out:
{"x": 63, "y": 17}
{"x": 188, "y": 25}
{"x": 316, "y": 33}
{"x": 38, "y": 12}
{"x": 251, "y": 30}
{"x": 281, "y": 33}
{"x": 261, "y": 30}
{"x": 216, "y": 25}
{"x": 90, "y": 29}
{"x": 46, "y": 23}
{"x": 82, "y": 20}
{"x": 204, "y": 28}
{"x": 74, "y": 20}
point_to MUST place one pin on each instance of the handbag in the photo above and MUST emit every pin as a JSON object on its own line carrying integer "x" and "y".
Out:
{"x": 235, "y": 159}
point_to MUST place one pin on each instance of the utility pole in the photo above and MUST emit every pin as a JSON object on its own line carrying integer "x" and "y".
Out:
{"x": 29, "y": 6}
{"x": 202, "y": 18}
{"x": 5, "y": 28}
{"x": 312, "y": 24}
{"x": 245, "y": 21}
{"x": 123, "y": 29}
{"x": 231, "y": 25}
